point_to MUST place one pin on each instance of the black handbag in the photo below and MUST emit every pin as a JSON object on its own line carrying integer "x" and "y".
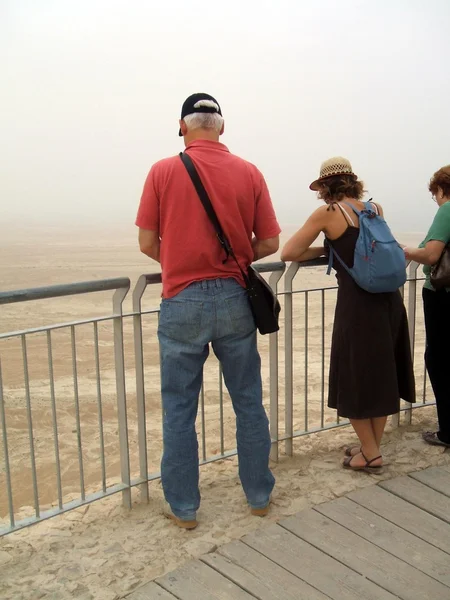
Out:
{"x": 263, "y": 302}
{"x": 440, "y": 272}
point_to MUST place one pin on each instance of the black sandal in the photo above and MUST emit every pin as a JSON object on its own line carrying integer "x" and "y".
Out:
{"x": 367, "y": 468}
{"x": 348, "y": 450}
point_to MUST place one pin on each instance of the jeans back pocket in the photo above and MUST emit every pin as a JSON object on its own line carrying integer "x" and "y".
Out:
{"x": 180, "y": 319}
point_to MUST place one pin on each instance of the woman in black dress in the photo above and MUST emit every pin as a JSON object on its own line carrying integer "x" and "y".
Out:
{"x": 370, "y": 366}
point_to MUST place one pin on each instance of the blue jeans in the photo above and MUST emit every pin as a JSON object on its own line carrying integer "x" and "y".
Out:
{"x": 215, "y": 311}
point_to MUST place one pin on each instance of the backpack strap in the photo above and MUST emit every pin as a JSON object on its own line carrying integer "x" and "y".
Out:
{"x": 367, "y": 206}
{"x": 372, "y": 207}
{"x": 328, "y": 245}
{"x": 332, "y": 254}
{"x": 355, "y": 210}
{"x": 347, "y": 217}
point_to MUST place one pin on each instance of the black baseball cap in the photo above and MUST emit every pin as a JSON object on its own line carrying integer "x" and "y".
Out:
{"x": 189, "y": 106}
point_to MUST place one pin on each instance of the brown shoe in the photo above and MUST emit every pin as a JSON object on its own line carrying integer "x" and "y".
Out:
{"x": 182, "y": 524}
{"x": 179, "y": 522}
{"x": 260, "y": 512}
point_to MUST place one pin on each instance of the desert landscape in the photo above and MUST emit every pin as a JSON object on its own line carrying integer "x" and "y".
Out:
{"x": 102, "y": 550}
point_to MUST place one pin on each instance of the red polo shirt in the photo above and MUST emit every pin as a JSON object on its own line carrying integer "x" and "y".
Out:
{"x": 170, "y": 205}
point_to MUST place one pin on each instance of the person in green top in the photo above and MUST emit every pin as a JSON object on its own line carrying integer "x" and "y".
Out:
{"x": 436, "y": 305}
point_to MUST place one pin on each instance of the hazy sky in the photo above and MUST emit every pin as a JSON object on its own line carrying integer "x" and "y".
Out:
{"x": 91, "y": 92}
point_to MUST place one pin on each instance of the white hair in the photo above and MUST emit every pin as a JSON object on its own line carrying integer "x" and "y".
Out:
{"x": 207, "y": 104}
{"x": 204, "y": 120}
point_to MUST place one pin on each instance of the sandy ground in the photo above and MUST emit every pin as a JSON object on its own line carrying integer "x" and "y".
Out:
{"x": 104, "y": 551}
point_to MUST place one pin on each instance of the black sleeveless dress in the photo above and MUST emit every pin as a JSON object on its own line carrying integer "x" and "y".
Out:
{"x": 370, "y": 365}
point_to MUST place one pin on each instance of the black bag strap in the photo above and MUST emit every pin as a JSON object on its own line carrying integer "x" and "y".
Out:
{"x": 207, "y": 205}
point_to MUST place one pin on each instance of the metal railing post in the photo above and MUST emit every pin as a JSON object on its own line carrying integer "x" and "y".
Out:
{"x": 30, "y": 425}
{"x": 6, "y": 453}
{"x": 101, "y": 434}
{"x": 119, "y": 359}
{"x": 288, "y": 357}
{"x": 76, "y": 398}
{"x": 273, "y": 369}
{"x": 54, "y": 418}
{"x": 412, "y": 303}
{"x": 138, "y": 292}
{"x": 412, "y": 311}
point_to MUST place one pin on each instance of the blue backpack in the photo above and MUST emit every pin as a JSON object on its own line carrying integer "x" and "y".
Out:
{"x": 379, "y": 262}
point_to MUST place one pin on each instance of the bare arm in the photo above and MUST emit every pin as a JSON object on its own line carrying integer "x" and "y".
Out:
{"x": 298, "y": 248}
{"x": 312, "y": 253}
{"x": 263, "y": 248}
{"x": 426, "y": 256}
{"x": 149, "y": 243}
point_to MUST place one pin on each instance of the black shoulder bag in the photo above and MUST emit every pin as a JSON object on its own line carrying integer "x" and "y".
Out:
{"x": 440, "y": 272}
{"x": 263, "y": 302}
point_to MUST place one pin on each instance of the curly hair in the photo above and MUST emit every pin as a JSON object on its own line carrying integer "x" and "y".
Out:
{"x": 337, "y": 187}
{"x": 441, "y": 179}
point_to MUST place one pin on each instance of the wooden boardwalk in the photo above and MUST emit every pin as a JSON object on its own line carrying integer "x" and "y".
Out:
{"x": 387, "y": 541}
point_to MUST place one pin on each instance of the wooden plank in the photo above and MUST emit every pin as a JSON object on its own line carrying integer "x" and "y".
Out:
{"x": 150, "y": 591}
{"x": 196, "y": 580}
{"x": 389, "y": 537}
{"x": 358, "y": 554}
{"x": 407, "y": 516}
{"x": 420, "y": 495}
{"x": 436, "y": 478}
{"x": 258, "y": 575}
{"x": 316, "y": 568}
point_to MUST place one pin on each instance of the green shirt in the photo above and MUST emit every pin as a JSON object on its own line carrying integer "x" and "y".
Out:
{"x": 439, "y": 232}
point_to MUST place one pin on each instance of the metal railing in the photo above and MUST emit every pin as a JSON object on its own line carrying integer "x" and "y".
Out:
{"x": 120, "y": 287}
{"x": 299, "y": 410}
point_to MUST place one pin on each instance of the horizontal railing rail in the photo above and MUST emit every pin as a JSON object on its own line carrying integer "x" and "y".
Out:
{"x": 297, "y": 358}
{"x": 67, "y": 289}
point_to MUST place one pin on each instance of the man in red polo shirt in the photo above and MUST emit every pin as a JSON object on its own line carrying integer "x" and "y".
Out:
{"x": 204, "y": 301}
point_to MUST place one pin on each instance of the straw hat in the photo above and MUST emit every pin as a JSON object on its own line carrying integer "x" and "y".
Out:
{"x": 338, "y": 165}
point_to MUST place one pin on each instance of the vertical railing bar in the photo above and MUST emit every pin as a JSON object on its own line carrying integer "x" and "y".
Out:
{"x": 412, "y": 312}
{"x": 138, "y": 292}
{"x": 202, "y": 409}
{"x": 322, "y": 397}
{"x": 6, "y": 453}
{"x": 289, "y": 359}
{"x": 273, "y": 378}
{"x": 121, "y": 393}
{"x": 222, "y": 444}
{"x": 273, "y": 373}
{"x": 54, "y": 417}
{"x": 306, "y": 359}
{"x": 77, "y": 410}
{"x": 99, "y": 406}
{"x": 30, "y": 426}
